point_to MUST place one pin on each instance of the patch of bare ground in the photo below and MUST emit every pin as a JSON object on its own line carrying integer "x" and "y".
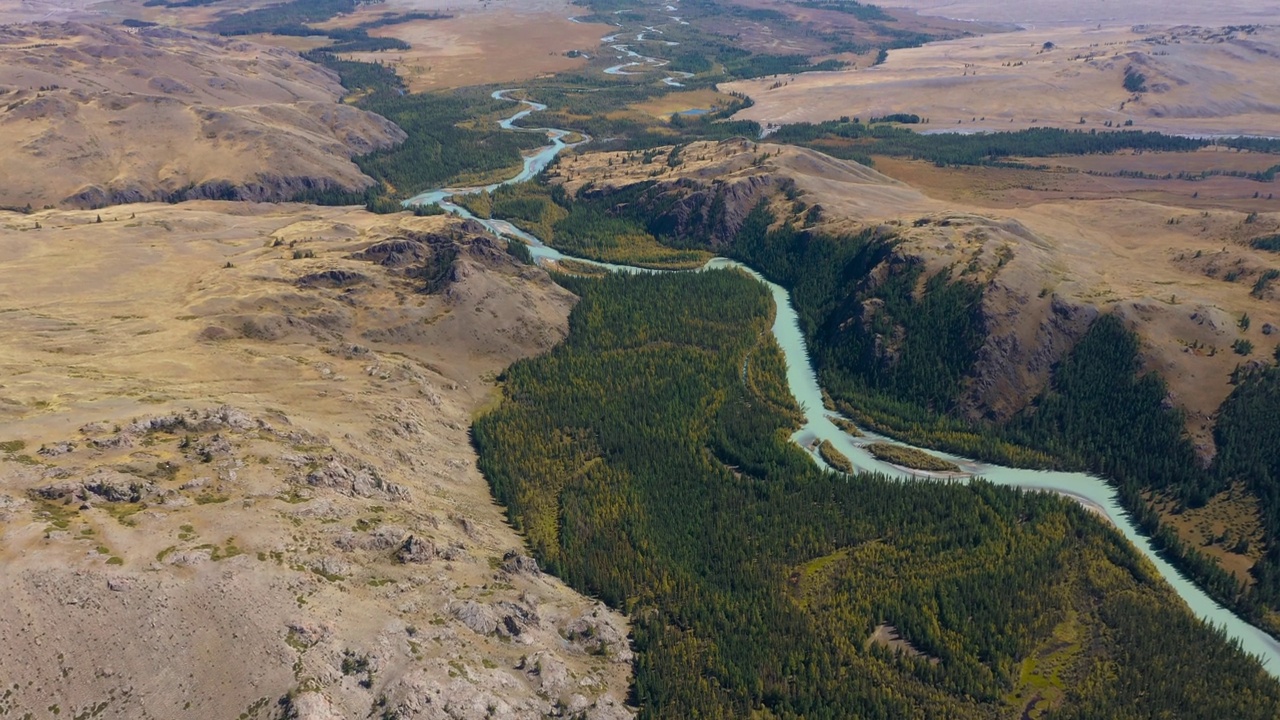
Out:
{"x": 1198, "y": 81}
{"x": 1007, "y": 187}
{"x": 235, "y": 473}
{"x": 887, "y": 636}
{"x": 1228, "y": 528}
{"x": 477, "y": 49}
{"x": 91, "y": 116}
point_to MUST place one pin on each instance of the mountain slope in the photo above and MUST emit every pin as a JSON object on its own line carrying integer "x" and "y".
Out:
{"x": 93, "y": 116}
{"x": 237, "y": 478}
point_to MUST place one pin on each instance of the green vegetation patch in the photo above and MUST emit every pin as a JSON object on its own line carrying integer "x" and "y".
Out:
{"x": 595, "y": 230}
{"x": 58, "y": 516}
{"x": 910, "y": 457}
{"x": 1270, "y": 243}
{"x": 854, "y": 140}
{"x": 848, "y": 427}
{"x": 644, "y": 471}
{"x": 834, "y": 457}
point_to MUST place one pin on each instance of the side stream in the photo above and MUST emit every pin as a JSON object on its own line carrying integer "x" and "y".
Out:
{"x": 1089, "y": 490}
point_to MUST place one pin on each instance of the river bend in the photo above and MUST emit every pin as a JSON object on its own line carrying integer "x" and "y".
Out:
{"x": 1090, "y": 490}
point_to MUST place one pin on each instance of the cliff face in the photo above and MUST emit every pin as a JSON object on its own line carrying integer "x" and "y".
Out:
{"x": 1045, "y": 273}
{"x": 93, "y": 116}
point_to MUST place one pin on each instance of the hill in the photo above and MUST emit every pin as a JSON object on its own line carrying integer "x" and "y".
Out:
{"x": 1194, "y": 80}
{"x": 236, "y": 479}
{"x": 94, "y": 116}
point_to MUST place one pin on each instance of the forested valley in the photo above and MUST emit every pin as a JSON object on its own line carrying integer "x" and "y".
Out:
{"x": 647, "y": 460}
{"x": 1099, "y": 413}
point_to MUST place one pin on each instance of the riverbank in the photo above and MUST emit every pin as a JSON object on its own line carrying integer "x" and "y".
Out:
{"x": 819, "y": 427}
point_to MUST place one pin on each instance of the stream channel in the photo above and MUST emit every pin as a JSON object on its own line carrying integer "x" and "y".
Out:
{"x": 1089, "y": 490}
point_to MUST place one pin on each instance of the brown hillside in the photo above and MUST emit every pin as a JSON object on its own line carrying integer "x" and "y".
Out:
{"x": 230, "y": 475}
{"x": 91, "y": 116}
{"x": 1181, "y": 278}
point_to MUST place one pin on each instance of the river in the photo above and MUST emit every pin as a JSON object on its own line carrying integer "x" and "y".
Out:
{"x": 1090, "y": 490}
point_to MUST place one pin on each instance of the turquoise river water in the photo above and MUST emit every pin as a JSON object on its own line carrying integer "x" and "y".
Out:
{"x": 1089, "y": 490}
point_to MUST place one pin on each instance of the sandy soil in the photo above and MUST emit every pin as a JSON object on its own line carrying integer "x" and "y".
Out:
{"x": 94, "y": 115}
{"x": 228, "y": 475}
{"x": 1199, "y": 82}
{"x": 475, "y": 49}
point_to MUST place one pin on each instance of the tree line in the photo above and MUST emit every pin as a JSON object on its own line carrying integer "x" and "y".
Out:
{"x": 645, "y": 469}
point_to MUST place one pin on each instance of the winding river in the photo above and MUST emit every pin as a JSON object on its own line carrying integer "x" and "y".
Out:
{"x": 1090, "y": 490}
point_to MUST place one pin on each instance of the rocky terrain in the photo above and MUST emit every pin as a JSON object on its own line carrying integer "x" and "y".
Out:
{"x": 93, "y": 116}
{"x": 235, "y": 476}
{"x": 1182, "y": 279}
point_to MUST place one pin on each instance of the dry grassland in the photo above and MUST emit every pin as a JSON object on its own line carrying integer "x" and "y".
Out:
{"x": 94, "y": 115}
{"x": 477, "y": 49}
{"x": 234, "y": 464}
{"x": 1199, "y": 82}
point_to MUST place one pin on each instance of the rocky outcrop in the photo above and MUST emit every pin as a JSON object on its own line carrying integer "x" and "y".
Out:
{"x": 513, "y": 562}
{"x": 711, "y": 212}
{"x": 1025, "y": 338}
{"x": 416, "y": 550}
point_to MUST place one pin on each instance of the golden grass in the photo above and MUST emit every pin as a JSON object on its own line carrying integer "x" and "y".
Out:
{"x": 910, "y": 457}
{"x": 834, "y": 457}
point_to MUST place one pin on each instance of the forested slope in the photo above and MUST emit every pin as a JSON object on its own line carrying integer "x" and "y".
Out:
{"x": 895, "y": 344}
{"x": 645, "y": 468}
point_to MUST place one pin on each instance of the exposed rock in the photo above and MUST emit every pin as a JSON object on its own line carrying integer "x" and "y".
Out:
{"x": 56, "y": 449}
{"x": 513, "y": 562}
{"x": 312, "y": 706}
{"x": 455, "y": 551}
{"x": 8, "y": 506}
{"x": 58, "y": 491}
{"x": 395, "y": 252}
{"x": 416, "y": 550}
{"x": 188, "y": 558}
{"x": 113, "y": 486}
{"x": 480, "y": 618}
{"x": 114, "y": 442}
{"x": 382, "y": 538}
{"x": 331, "y": 279}
{"x": 309, "y": 633}
{"x": 331, "y": 567}
{"x": 546, "y": 672}
{"x": 358, "y": 482}
{"x": 516, "y": 618}
{"x": 595, "y": 633}
{"x": 576, "y": 704}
